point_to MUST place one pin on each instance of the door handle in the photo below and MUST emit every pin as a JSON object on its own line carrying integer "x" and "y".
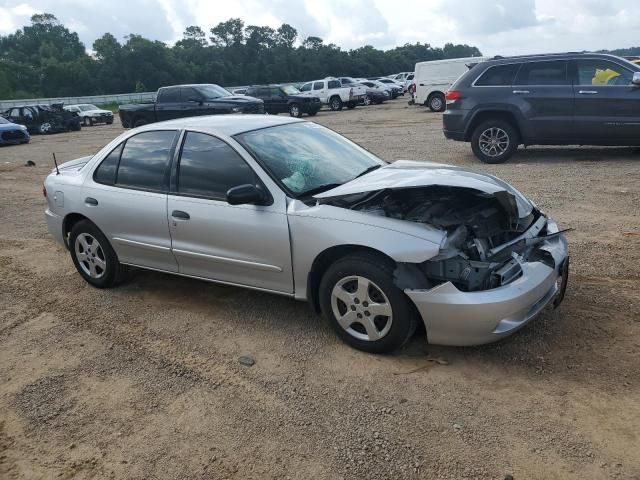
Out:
{"x": 180, "y": 214}
{"x": 91, "y": 201}
{"x": 588, "y": 92}
{"x": 520, "y": 91}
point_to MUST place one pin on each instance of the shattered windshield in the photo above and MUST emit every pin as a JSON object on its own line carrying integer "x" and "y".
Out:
{"x": 307, "y": 158}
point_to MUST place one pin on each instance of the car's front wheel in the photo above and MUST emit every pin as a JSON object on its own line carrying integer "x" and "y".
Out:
{"x": 437, "y": 103}
{"x": 367, "y": 100}
{"x": 364, "y": 306}
{"x": 93, "y": 256}
{"x": 494, "y": 141}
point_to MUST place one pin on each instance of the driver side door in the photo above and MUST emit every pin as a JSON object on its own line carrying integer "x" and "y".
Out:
{"x": 239, "y": 244}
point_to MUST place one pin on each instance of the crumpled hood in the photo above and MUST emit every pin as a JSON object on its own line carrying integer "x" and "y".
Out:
{"x": 411, "y": 174}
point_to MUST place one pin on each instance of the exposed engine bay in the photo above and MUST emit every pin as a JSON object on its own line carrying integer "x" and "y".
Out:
{"x": 485, "y": 236}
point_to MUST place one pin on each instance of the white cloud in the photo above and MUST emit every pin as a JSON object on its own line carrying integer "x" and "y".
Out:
{"x": 495, "y": 26}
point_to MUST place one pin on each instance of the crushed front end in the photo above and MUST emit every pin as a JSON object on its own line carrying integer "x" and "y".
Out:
{"x": 501, "y": 261}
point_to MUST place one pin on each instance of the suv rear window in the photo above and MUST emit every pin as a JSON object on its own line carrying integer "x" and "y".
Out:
{"x": 498, "y": 76}
{"x": 543, "y": 73}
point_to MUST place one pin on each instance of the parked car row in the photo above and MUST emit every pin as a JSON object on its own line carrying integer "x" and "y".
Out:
{"x": 19, "y": 122}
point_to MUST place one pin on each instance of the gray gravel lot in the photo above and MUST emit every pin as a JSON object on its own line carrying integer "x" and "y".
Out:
{"x": 144, "y": 381}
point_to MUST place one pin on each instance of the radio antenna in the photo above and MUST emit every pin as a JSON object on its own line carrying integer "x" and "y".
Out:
{"x": 55, "y": 162}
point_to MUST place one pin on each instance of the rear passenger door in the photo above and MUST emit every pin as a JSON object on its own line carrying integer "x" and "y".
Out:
{"x": 278, "y": 99}
{"x": 126, "y": 197}
{"x": 169, "y": 104}
{"x": 239, "y": 244}
{"x": 319, "y": 90}
{"x": 544, "y": 95}
{"x": 607, "y": 104}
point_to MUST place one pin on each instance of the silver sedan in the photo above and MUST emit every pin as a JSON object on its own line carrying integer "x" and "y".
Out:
{"x": 290, "y": 207}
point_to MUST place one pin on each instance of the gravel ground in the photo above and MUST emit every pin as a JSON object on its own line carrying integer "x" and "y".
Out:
{"x": 144, "y": 381}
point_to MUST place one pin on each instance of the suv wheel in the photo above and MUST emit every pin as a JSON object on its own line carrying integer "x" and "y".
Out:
{"x": 294, "y": 110}
{"x": 367, "y": 100}
{"x": 93, "y": 256}
{"x": 437, "y": 103}
{"x": 494, "y": 141}
{"x": 335, "y": 104}
{"x": 364, "y": 306}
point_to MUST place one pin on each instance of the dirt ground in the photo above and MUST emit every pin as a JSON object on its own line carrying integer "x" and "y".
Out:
{"x": 143, "y": 381}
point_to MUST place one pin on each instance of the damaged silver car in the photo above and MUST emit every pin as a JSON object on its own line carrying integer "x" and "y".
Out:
{"x": 291, "y": 207}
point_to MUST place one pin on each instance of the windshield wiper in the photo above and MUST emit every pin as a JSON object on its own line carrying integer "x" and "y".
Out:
{"x": 318, "y": 189}
{"x": 368, "y": 170}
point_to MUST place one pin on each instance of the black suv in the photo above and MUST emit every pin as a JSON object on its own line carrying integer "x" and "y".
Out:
{"x": 556, "y": 99}
{"x": 285, "y": 98}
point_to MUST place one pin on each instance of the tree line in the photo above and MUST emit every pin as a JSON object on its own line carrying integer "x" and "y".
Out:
{"x": 46, "y": 59}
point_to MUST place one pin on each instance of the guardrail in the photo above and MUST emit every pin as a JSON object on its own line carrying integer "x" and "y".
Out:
{"x": 95, "y": 99}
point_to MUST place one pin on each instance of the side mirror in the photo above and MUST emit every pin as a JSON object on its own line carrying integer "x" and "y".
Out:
{"x": 244, "y": 194}
{"x": 636, "y": 78}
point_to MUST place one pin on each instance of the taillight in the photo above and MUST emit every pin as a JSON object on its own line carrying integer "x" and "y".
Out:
{"x": 453, "y": 95}
{"x": 44, "y": 191}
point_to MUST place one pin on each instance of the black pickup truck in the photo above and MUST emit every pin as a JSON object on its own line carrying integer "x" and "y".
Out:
{"x": 285, "y": 98}
{"x": 180, "y": 101}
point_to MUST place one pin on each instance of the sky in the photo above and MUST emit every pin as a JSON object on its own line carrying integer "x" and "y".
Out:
{"x": 497, "y": 27}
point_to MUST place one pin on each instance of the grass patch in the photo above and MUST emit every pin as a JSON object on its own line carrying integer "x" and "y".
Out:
{"x": 113, "y": 106}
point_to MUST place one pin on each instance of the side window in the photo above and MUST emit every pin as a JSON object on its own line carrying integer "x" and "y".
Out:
{"x": 14, "y": 114}
{"x": 306, "y": 87}
{"x": 602, "y": 72}
{"x": 263, "y": 92}
{"x": 334, "y": 84}
{"x": 209, "y": 167}
{"x": 188, "y": 92}
{"x": 28, "y": 113}
{"x": 169, "y": 95}
{"x": 318, "y": 85}
{"x": 543, "y": 73}
{"x": 144, "y": 160}
{"x": 276, "y": 92}
{"x": 410, "y": 77}
{"x": 106, "y": 171}
{"x": 498, "y": 76}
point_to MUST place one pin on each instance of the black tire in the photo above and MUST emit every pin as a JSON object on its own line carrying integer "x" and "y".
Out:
{"x": 112, "y": 273}
{"x": 367, "y": 100}
{"x": 312, "y": 113}
{"x": 437, "y": 102}
{"x": 379, "y": 271}
{"x": 502, "y": 129}
{"x": 139, "y": 122}
{"x": 294, "y": 110}
{"x": 109, "y": 122}
{"x": 351, "y": 105}
{"x": 335, "y": 103}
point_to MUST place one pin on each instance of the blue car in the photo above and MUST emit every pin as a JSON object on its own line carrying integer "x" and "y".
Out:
{"x": 12, "y": 133}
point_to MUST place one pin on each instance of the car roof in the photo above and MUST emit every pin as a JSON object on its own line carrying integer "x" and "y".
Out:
{"x": 223, "y": 124}
{"x": 550, "y": 56}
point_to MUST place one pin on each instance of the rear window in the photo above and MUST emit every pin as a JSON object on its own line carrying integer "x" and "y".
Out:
{"x": 145, "y": 159}
{"x": 106, "y": 171}
{"x": 543, "y": 73}
{"x": 498, "y": 76}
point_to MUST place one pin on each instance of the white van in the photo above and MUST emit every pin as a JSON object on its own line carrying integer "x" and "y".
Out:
{"x": 433, "y": 78}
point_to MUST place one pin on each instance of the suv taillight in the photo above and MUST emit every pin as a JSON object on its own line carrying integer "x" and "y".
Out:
{"x": 453, "y": 95}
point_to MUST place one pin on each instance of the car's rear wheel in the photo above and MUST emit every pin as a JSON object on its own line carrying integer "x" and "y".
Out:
{"x": 367, "y": 100}
{"x": 494, "y": 141}
{"x": 335, "y": 103}
{"x": 93, "y": 256}
{"x": 437, "y": 102}
{"x": 44, "y": 128}
{"x": 294, "y": 110}
{"x": 364, "y": 306}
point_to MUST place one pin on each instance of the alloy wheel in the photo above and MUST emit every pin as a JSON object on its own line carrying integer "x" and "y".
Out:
{"x": 493, "y": 142}
{"x": 361, "y": 308}
{"x": 436, "y": 103}
{"x": 367, "y": 100}
{"x": 90, "y": 255}
{"x": 45, "y": 127}
{"x": 295, "y": 111}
